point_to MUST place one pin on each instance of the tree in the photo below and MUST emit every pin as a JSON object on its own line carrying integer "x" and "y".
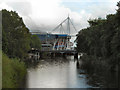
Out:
{"x": 16, "y": 37}
{"x": 101, "y": 38}
{"x": 35, "y": 42}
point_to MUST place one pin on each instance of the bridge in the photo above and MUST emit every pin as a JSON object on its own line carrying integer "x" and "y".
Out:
{"x": 58, "y": 40}
{"x": 36, "y": 54}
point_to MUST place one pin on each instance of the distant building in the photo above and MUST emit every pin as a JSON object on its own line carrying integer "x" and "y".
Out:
{"x": 55, "y": 41}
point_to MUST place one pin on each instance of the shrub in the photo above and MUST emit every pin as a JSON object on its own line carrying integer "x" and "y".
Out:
{"x": 13, "y": 72}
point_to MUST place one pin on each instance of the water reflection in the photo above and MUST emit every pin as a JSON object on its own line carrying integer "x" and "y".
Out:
{"x": 56, "y": 73}
{"x": 101, "y": 78}
{"x": 67, "y": 73}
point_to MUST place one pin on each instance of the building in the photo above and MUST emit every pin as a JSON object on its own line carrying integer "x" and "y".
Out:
{"x": 55, "y": 41}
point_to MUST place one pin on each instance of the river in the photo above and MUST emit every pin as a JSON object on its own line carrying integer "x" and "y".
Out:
{"x": 58, "y": 73}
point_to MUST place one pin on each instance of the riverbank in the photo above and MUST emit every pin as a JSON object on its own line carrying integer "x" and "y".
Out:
{"x": 13, "y": 72}
{"x": 98, "y": 63}
{"x": 15, "y": 46}
{"x": 100, "y": 71}
{"x": 101, "y": 42}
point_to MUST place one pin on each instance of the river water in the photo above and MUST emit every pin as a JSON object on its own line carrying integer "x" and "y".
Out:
{"x": 57, "y": 73}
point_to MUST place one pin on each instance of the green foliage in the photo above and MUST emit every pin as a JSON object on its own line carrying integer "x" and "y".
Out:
{"x": 13, "y": 72}
{"x": 16, "y": 36}
{"x": 35, "y": 42}
{"x": 17, "y": 40}
{"x": 102, "y": 38}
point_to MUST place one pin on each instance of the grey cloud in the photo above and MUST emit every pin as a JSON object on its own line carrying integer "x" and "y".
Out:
{"x": 24, "y": 8}
{"x": 42, "y": 24}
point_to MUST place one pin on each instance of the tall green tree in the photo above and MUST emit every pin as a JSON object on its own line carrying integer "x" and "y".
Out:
{"x": 16, "y": 39}
{"x": 102, "y": 38}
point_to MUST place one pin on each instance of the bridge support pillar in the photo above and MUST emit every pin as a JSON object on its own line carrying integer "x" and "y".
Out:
{"x": 41, "y": 55}
{"x": 52, "y": 55}
{"x": 64, "y": 55}
{"x": 76, "y": 56}
{"x": 77, "y": 64}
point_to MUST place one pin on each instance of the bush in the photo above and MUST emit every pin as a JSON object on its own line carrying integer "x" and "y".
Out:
{"x": 13, "y": 72}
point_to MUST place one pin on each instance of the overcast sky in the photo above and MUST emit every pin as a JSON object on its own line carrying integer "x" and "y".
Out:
{"x": 45, "y": 15}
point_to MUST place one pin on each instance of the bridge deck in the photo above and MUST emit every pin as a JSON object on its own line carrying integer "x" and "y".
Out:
{"x": 60, "y": 51}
